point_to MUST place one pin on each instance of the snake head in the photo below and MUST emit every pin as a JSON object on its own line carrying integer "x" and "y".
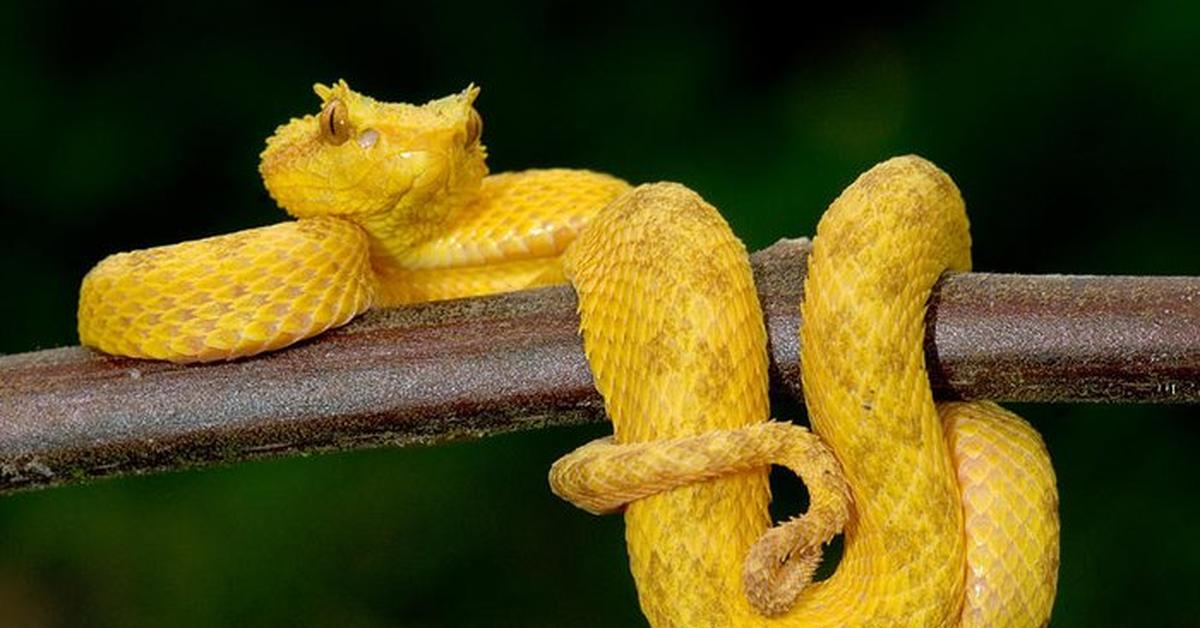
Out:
{"x": 376, "y": 162}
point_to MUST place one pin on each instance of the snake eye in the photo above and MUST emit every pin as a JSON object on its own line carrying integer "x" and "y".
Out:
{"x": 474, "y": 128}
{"x": 335, "y": 124}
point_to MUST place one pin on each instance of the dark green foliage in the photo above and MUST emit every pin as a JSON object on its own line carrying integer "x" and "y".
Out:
{"x": 1071, "y": 131}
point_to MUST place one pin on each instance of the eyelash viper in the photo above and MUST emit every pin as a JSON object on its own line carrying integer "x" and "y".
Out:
{"x": 395, "y": 205}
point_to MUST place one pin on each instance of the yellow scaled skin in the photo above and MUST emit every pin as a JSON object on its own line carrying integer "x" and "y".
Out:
{"x": 674, "y": 335}
{"x": 394, "y": 206}
{"x": 949, "y": 512}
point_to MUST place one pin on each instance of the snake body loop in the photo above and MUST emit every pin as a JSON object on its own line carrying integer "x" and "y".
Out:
{"x": 673, "y": 332}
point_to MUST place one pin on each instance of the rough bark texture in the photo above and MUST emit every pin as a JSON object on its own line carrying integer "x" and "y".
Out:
{"x": 470, "y": 368}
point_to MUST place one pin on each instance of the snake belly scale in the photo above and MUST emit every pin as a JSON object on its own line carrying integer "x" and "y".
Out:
{"x": 949, "y": 511}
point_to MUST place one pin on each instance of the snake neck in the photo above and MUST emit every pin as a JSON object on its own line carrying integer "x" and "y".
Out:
{"x": 393, "y": 234}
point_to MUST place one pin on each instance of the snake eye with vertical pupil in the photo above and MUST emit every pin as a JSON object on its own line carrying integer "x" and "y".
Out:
{"x": 474, "y": 128}
{"x": 334, "y": 122}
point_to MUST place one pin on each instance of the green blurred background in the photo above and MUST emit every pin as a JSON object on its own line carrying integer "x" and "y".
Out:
{"x": 1072, "y": 132}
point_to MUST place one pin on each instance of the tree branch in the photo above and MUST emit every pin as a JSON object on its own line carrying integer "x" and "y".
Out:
{"x": 470, "y": 368}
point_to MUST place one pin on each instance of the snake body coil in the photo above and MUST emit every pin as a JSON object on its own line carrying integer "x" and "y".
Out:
{"x": 952, "y": 510}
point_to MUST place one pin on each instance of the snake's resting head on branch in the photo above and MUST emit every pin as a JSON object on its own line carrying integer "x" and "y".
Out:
{"x": 370, "y": 161}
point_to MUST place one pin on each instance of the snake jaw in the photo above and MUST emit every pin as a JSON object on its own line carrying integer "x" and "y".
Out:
{"x": 404, "y": 160}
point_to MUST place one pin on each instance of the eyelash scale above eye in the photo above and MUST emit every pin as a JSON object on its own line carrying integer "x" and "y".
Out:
{"x": 474, "y": 127}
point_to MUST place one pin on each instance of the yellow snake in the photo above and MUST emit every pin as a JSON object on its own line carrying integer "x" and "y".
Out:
{"x": 949, "y": 511}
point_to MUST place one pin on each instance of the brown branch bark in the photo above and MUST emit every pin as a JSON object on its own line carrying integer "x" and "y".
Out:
{"x": 466, "y": 369}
